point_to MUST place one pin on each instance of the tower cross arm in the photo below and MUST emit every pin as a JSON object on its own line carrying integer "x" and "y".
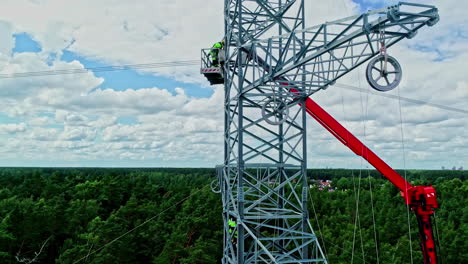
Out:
{"x": 331, "y": 50}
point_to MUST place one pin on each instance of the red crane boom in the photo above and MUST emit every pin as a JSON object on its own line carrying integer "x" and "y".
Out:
{"x": 421, "y": 199}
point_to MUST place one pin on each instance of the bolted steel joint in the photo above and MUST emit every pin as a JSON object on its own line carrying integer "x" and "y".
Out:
{"x": 392, "y": 14}
{"x": 411, "y": 34}
{"x": 433, "y": 20}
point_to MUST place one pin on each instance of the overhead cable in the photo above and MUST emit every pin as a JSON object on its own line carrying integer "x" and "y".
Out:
{"x": 138, "y": 226}
{"x": 410, "y": 100}
{"x": 101, "y": 69}
{"x": 196, "y": 62}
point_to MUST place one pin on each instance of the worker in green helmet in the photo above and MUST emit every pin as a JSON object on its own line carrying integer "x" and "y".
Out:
{"x": 217, "y": 47}
{"x": 232, "y": 227}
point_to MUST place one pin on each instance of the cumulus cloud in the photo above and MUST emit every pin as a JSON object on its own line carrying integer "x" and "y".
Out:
{"x": 142, "y": 100}
{"x": 12, "y": 128}
{"x": 122, "y": 32}
{"x": 6, "y": 34}
{"x": 43, "y": 134}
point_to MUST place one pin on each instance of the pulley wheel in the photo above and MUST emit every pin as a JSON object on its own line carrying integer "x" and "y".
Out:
{"x": 275, "y": 111}
{"x": 215, "y": 186}
{"x": 384, "y": 73}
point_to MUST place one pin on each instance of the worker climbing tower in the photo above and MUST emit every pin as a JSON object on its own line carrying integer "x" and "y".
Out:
{"x": 271, "y": 65}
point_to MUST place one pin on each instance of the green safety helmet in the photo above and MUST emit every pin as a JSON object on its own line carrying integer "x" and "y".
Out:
{"x": 232, "y": 223}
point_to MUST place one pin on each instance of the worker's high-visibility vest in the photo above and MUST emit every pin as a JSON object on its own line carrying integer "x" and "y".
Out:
{"x": 232, "y": 226}
{"x": 215, "y": 50}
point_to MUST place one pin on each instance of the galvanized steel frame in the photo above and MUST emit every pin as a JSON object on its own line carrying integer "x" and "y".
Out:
{"x": 269, "y": 52}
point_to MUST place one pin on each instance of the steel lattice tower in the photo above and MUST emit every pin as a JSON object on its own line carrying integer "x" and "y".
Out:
{"x": 264, "y": 175}
{"x": 272, "y": 64}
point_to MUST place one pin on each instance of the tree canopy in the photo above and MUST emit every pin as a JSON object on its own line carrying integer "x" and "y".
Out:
{"x": 171, "y": 216}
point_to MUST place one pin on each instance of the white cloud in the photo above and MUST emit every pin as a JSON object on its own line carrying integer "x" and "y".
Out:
{"x": 42, "y": 134}
{"x": 40, "y": 121}
{"x": 103, "y": 121}
{"x": 122, "y": 32}
{"x": 6, "y": 35}
{"x": 77, "y": 134}
{"x": 12, "y": 128}
{"x": 142, "y": 100}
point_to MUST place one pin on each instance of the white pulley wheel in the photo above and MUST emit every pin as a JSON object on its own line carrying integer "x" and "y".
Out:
{"x": 384, "y": 73}
{"x": 215, "y": 186}
{"x": 275, "y": 111}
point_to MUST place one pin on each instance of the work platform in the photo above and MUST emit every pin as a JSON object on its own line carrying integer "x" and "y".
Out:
{"x": 214, "y": 73}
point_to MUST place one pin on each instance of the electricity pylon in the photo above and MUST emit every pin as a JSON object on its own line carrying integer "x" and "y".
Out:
{"x": 272, "y": 63}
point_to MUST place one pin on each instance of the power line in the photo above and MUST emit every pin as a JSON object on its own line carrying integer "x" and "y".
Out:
{"x": 154, "y": 65}
{"x": 138, "y": 226}
{"x": 410, "y": 100}
{"x": 101, "y": 69}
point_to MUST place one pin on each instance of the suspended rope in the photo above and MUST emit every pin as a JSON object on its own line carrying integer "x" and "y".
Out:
{"x": 366, "y": 117}
{"x": 438, "y": 239}
{"x": 360, "y": 231}
{"x": 357, "y": 221}
{"x": 352, "y": 173}
{"x": 372, "y": 195}
{"x": 345, "y": 251}
{"x": 373, "y": 218}
{"x": 356, "y": 198}
{"x": 363, "y": 112}
{"x": 401, "y": 98}
{"x": 396, "y": 249}
{"x": 319, "y": 228}
{"x": 405, "y": 176}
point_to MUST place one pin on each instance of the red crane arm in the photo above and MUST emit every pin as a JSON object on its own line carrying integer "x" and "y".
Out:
{"x": 421, "y": 199}
{"x": 349, "y": 140}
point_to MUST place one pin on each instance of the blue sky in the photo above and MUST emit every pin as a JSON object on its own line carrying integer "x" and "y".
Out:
{"x": 122, "y": 80}
{"x": 24, "y": 43}
{"x": 118, "y": 80}
{"x": 373, "y": 4}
